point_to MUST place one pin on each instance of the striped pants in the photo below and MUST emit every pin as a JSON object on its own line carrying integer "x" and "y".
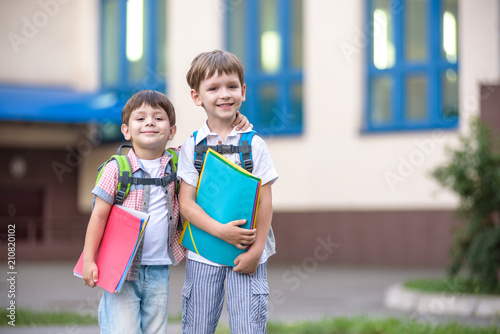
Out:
{"x": 203, "y": 298}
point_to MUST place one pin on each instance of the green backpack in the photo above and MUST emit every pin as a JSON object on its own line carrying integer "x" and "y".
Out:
{"x": 125, "y": 178}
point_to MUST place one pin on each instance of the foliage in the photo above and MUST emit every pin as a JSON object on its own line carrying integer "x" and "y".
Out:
{"x": 366, "y": 325}
{"x": 473, "y": 173}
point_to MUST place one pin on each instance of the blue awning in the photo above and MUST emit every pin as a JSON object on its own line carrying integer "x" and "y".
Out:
{"x": 59, "y": 105}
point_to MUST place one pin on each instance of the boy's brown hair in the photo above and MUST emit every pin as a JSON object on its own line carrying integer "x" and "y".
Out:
{"x": 151, "y": 98}
{"x": 206, "y": 64}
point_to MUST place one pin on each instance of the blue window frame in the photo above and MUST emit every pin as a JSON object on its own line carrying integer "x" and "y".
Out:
{"x": 133, "y": 45}
{"x": 412, "y": 65}
{"x": 266, "y": 35}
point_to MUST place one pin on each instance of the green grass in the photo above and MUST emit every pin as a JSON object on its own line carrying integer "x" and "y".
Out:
{"x": 354, "y": 325}
{"x": 365, "y": 325}
{"x": 447, "y": 285}
{"x": 45, "y": 318}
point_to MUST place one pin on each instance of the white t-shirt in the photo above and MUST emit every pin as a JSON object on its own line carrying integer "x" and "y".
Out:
{"x": 155, "y": 249}
{"x": 263, "y": 168}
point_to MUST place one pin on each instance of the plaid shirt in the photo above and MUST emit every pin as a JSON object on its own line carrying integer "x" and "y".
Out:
{"x": 138, "y": 199}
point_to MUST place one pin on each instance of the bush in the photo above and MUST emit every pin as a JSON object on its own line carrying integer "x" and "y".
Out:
{"x": 473, "y": 173}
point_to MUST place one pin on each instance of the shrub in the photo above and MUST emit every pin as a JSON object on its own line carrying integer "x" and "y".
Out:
{"x": 473, "y": 173}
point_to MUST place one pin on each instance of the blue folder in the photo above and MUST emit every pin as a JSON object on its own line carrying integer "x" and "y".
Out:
{"x": 226, "y": 192}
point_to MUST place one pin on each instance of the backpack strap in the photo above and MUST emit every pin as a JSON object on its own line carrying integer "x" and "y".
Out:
{"x": 244, "y": 149}
{"x": 173, "y": 171}
{"x": 164, "y": 181}
{"x": 173, "y": 167}
{"x": 125, "y": 178}
{"x": 174, "y": 160}
{"x": 124, "y": 172}
{"x": 199, "y": 152}
{"x": 148, "y": 181}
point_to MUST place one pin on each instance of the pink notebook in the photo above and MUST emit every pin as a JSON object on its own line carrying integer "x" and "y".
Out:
{"x": 118, "y": 247}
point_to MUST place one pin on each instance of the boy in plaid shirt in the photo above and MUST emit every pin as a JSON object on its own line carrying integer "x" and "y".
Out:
{"x": 141, "y": 306}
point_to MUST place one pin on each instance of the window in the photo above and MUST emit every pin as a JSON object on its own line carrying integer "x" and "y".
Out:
{"x": 133, "y": 52}
{"x": 133, "y": 45}
{"x": 412, "y": 65}
{"x": 266, "y": 35}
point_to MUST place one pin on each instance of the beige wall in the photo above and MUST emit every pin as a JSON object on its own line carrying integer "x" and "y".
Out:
{"x": 194, "y": 26}
{"x": 50, "y": 42}
{"x": 479, "y": 52}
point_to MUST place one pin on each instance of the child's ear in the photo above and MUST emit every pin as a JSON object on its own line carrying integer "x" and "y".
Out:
{"x": 196, "y": 98}
{"x": 126, "y": 132}
{"x": 243, "y": 92}
{"x": 173, "y": 131}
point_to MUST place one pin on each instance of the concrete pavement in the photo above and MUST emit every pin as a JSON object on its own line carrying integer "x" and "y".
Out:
{"x": 297, "y": 291}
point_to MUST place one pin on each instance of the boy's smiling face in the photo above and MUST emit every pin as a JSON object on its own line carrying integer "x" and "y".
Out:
{"x": 149, "y": 129}
{"x": 221, "y": 95}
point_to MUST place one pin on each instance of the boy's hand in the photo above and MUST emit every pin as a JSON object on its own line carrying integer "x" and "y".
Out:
{"x": 246, "y": 263}
{"x": 235, "y": 235}
{"x": 241, "y": 122}
{"x": 90, "y": 274}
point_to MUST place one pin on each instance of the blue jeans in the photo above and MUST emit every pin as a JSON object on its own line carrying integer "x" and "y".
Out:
{"x": 140, "y": 307}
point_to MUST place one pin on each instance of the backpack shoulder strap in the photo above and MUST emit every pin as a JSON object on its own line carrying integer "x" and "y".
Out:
{"x": 173, "y": 168}
{"x": 199, "y": 152}
{"x": 174, "y": 160}
{"x": 246, "y": 150}
{"x": 124, "y": 173}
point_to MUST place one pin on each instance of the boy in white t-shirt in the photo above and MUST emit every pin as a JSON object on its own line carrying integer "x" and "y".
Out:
{"x": 217, "y": 85}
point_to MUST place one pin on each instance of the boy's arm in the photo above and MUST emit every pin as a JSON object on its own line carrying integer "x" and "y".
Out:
{"x": 230, "y": 232}
{"x": 248, "y": 262}
{"x": 95, "y": 230}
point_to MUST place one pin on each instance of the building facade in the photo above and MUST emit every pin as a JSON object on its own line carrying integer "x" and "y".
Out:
{"x": 357, "y": 101}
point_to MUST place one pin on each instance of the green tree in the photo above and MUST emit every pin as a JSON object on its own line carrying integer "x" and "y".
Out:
{"x": 473, "y": 173}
